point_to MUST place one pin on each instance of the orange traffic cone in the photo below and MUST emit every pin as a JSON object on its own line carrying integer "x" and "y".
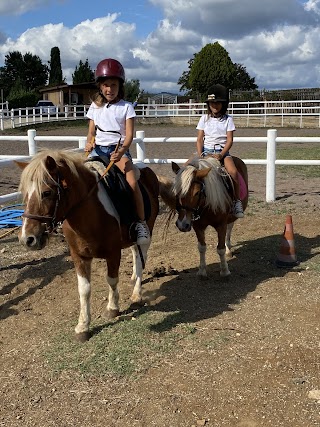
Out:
{"x": 287, "y": 254}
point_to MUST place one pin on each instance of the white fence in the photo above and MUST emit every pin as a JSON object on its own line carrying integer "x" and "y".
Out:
{"x": 265, "y": 113}
{"x": 271, "y": 140}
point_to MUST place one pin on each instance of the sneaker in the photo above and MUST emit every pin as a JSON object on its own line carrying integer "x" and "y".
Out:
{"x": 143, "y": 233}
{"x": 238, "y": 209}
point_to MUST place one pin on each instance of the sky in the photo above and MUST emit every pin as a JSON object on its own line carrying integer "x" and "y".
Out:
{"x": 278, "y": 41}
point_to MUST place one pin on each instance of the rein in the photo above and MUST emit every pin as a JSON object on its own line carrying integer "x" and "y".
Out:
{"x": 195, "y": 211}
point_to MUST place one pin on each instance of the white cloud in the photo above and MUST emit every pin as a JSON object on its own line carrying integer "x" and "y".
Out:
{"x": 277, "y": 41}
{"x": 313, "y": 5}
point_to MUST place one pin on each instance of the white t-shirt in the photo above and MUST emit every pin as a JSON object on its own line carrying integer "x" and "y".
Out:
{"x": 111, "y": 117}
{"x": 215, "y": 129}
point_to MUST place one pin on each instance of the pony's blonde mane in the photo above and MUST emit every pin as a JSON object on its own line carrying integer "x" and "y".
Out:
{"x": 36, "y": 173}
{"x": 217, "y": 196}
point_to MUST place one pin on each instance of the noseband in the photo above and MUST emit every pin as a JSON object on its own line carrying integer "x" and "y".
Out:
{"x": 195, "y": 211}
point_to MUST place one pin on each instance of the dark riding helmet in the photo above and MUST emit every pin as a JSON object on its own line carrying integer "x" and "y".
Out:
{"x": 218, "y": 93}
{"x": 109, "y": 68}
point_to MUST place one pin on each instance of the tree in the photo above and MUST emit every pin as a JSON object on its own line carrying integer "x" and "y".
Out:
{"x": 242, "y": 79}
{"x": 132, "y": 90}
{"x": 184, "y": 79}
{"x": 82, "y": 73}
{"x": 210, "y": 66}
{"x": 55, "y": 77}
{"x": 22, "y": 73}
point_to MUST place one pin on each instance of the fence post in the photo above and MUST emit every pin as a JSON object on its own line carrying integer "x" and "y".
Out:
{"x": 82, "y": 143}
{"x": 271, "y": 166}
{"x": 141, "y": 149}
{"x": 12, "y": 118}
{"x": 31, "y": 142}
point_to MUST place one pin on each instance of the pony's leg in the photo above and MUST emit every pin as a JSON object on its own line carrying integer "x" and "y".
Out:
{"x": 83, "y": 269}
{"x": 221, "y": 250}
{"x": 202, "y": 248}
{"x": 113, "y": 279}
{"x": 113, "y": 300}
{"x": 228, "y": 240}
{"x": 136, "y": 277}
{"x": 134, "y": 264}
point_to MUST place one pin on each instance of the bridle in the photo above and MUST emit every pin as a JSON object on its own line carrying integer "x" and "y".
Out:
{"x": 51, "y": 220}
{"x": 196, "y": 213}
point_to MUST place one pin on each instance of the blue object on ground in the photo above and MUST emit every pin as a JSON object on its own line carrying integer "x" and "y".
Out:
{"x": 10, "y": 217}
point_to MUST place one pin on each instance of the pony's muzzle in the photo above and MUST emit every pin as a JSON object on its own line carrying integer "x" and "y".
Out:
{"x": 33, "y": 241}
{"x": 183, "y": 226}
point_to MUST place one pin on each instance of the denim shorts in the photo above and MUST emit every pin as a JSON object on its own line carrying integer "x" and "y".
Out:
{"x": 107, "y": 150}
{"x": 216, "y": 150}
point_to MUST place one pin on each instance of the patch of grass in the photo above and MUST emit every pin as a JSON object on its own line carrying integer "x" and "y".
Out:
{"x": 292, "y": 152}
{"x": 299, "y": 152}
{"x": 122, "y": 348}
{"x": 218, "y": 341}
{"x": 81, "y": 123}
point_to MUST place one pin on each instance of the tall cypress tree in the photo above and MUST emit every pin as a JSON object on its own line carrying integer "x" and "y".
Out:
{"x": 55, "y": 76}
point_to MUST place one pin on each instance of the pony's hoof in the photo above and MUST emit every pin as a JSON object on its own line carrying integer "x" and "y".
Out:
{"x": 136, "y": 299}
{"x": 202, "y": 275}
{"x": 112, "y": 314}
{"x": 135, "y": 305}
{"x": 83, "y": 336}
{"x": 225, "y": 273}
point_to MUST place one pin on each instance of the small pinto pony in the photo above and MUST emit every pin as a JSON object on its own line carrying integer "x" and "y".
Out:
{"x": 201, "y": 194}
{"x": 59, "y": 187}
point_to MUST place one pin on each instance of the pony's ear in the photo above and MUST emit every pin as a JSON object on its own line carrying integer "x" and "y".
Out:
{"x": 21, "y": 165}
{"x": 200, "y": 174}
{"x": 175, "y": 167}
{"x": 51, "y": 164}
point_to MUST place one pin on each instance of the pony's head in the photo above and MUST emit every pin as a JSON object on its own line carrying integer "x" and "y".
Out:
{"x": 199, "y": 185}
{"x": 42, "y": 184}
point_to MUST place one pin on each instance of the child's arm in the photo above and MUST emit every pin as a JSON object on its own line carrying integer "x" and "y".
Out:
{"x": 227, "y": 146}
{"x": 90, "y": 136}
{"x": 116, "y": 156}
{"x": 200, "y": 139}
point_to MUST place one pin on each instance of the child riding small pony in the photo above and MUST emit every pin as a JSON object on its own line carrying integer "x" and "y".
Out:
{"x": 215, "y": 137}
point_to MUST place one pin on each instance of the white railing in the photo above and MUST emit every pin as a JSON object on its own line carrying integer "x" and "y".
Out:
{"x": 282, "y": 113}
{"x": 271, "y": 140}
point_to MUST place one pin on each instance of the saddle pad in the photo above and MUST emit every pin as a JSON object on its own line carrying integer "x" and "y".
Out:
{"x": 242, "y": 187}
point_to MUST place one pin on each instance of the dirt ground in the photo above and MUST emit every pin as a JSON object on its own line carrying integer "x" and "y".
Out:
{"x": 251, "y": 355}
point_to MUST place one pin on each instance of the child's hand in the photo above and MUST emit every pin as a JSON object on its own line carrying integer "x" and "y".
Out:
{"x": 115, "y": 156}
{"x": 217, "y": 156}
{"x": 89, "y": 147}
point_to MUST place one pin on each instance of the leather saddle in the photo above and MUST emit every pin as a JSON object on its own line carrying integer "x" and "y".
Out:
{"x": 120, "y": 191}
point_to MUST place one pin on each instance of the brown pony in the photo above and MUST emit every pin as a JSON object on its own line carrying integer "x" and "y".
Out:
{"x": 201, "y": 197}
{"x": 58, "y": 187}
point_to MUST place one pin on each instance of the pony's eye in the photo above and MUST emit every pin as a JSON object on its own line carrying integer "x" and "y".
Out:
{"x": 46, "y": 194}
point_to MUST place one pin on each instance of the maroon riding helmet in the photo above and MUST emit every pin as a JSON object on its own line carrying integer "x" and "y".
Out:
{"x": 109, "y": 68}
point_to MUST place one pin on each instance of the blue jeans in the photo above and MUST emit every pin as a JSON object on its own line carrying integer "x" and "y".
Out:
{"x": 102, "y": 150}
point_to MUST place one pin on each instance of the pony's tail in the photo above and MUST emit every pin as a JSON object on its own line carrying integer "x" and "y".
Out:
{"x": 169, "y": 199}
{"x": 166, "y": 192}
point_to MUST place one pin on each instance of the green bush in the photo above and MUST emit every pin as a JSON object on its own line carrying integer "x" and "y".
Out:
{"x": 26, "y": 99}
